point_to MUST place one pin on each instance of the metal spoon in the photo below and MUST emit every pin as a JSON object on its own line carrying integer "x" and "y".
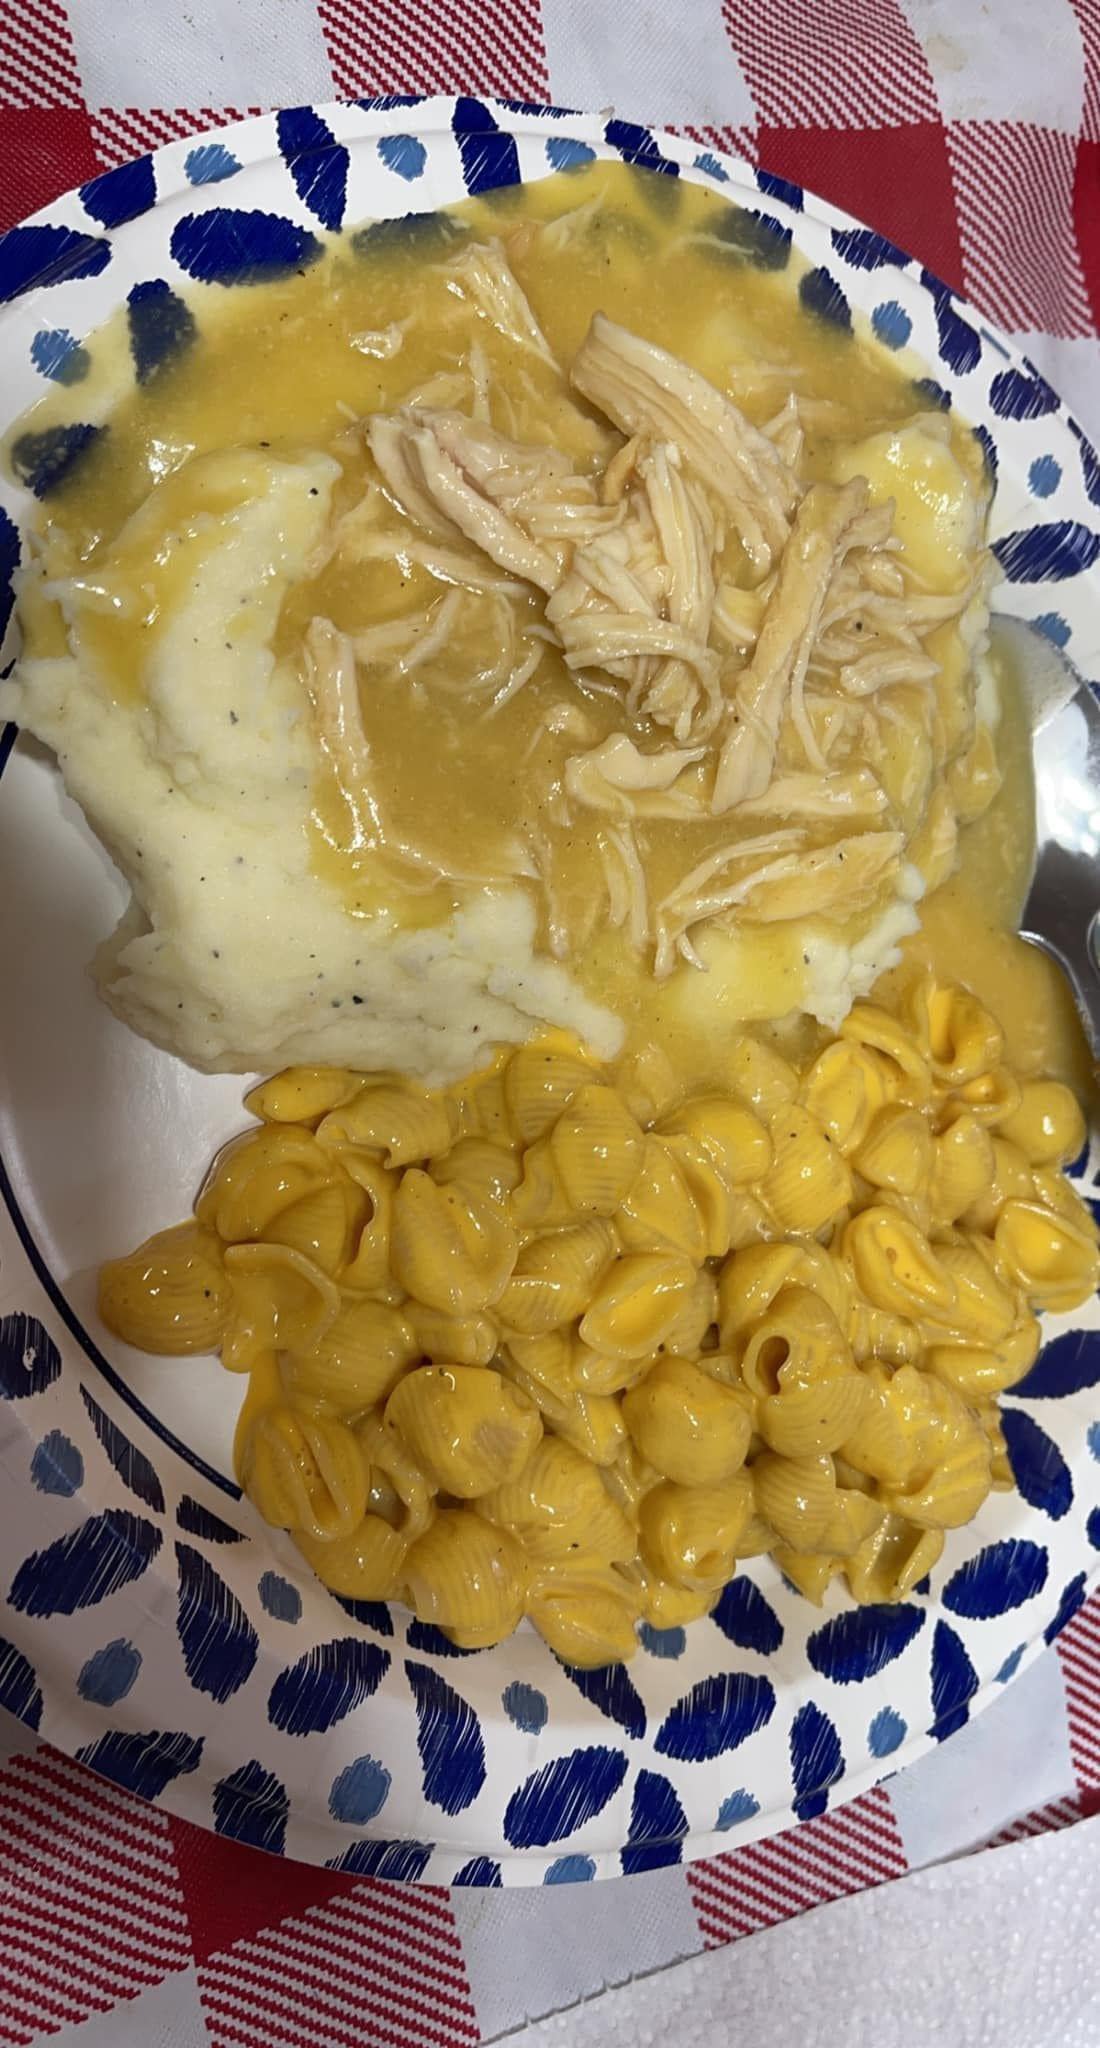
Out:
{"x": 1062, "y": 911}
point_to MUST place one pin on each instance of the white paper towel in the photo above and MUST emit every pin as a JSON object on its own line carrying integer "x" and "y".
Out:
{"x": 999, "y": 1950}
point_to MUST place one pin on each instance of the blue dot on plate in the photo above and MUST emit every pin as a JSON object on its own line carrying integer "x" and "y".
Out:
{"x": 57, "y": 354}
{"x": 209, "y": 164}
{"x": 1055, "y": 629}
{"x": 359, "y": 1791}
{"x": 1044, "y": 476}
{"x": 525, "y": 1707}
{"x": 57, "y": 1466}
{"x": 1094, "y": 1440}
{"x": 662, "y": 1642}
{"x": 886, "y": 1733}
{"x": 564, "y": 153}
{"x": 404, "y": 154}
{"x": 891, "y": 324}
{"x": 737, "y": 1806}
{"x": 1010, "y": 1666}
{"x": 280, "y": 1599}
{"x": 712, "y": 167}
{"x": 109, "y": 1675}
{"x": 1093, "y": 1528}
{"x": 571, "y": 1870}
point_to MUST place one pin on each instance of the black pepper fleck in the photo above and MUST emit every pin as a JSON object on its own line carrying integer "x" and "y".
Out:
{"x": 357, "y": 999}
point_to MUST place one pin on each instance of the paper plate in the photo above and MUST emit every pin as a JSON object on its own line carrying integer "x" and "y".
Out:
{"x": 149, "y": 1623}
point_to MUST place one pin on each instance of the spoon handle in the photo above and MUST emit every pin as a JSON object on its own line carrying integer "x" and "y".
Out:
{"x": 1070, "y": 928}
{"x": 1062, "y": 912}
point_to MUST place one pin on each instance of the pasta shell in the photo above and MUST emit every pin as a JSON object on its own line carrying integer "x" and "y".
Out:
{"x": 855, "y": 1516}
{"x": 460, "y": 1340}
{"x": 647, "y": 1082}
{"x": 964, "y": 1040}
{"x": 404, "y": 1123}
{"x": 323, "y": 1225}
{"x": 962, "y": 1168}
{"x": 257, "y": 1176}
{"x": 689, "y": 1534}
{"x": 696, "y": 1318}
{"x": 895, "y": 1267}
{"x": 984, "y": 1310}
{"x": 906, "y": 1071}
{"x": 304, "y": 1472}
{"x": 366, "y": 1565}
{"x": 479, "y": 1163}
{"x": 897, "y": 1151}
{"x": 978, "y": 1371}
{"x": 539, "y": 1081}
{"x": 893, "y": 1559}
{"x": 560, "y": 1510}
{"x": 596, "y": 1149}
{"x": 795, "y": 1497}
{"x": 688, "y": 1426}
{"x": 467, "y": 1577}
{"x": 730, "y": 1136}
{"x": 450, "y": 1248}
{"x": 281, "y": 1302}
{"x": 482, "y": 1109}
{"x": 554, "y": 1277}
{"x": 540, "y": 1201}
{"x": 667, "y": 1606}
{"x": 809, "y": 1183}
{"x": 593, "y": 1424}
{"x": 797, "y": 1343}
{"x": 807, "y": 1422}
{"x": 992, "y": 1098}
{"x": 875, "y": 1333}
{"x": 629, "y": 1478}
{"x": 1047, "y": 1124}
{"x": 399, "y": 1489}
{"x": 712, "y": 1196}
{"x": 844, "y": 1089}
{"x": 594, "y": 1373}
{"x": 172, "y": 1295}
{"x": 588, "y": 1621}
{"x": 748, "y": 1284}
{"x": 1001, "y": 1475}
{"x": 368, "y": 1268}
{"x": 1011, "y": 1180}
{"x": 1052, "y": 1259}
{"x": 812, "y": 1575}
{"x": 760, "y": 1076}
{"x": 1053, "y": 1191}
{"x": 658, "y": 1212}
{"x": 465, "y": 1425}
{"x": 953, "y": 1492}
{"x": 358, "y": 1360}
{"x": 302, "y": 1095}
{"x": 547, "y": 1359}
{"x": 635, "y": 1304}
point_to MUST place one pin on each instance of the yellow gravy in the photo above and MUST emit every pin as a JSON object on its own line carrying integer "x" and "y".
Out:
{"x": 293, "y": 365}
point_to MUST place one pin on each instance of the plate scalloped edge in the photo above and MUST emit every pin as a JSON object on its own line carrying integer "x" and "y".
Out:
{"x": 148, "y": 1624}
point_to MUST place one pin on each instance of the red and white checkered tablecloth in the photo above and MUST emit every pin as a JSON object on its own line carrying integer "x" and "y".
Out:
{"x": 969, "y": 132}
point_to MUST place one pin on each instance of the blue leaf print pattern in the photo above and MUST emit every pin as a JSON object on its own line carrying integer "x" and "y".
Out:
{"x": 658, "y": 1825}
{"x": 29, "y": 1359}
{"x": 449, "y": 1739}
{"x": 490, "y": 158}
{"x": 162, "y": 327}
{"x": 817, "y": 1760}
{"x": 401, "y": 1862}
{"x": 560, "y": 1798}
{"x": 20, "y": 1691}
{"x": 1073, "y": 1598}
{"x": 32, "y": 257}
{"x": 57, "y": 1466}
{"x": 747, "y": 1619}
{"x": 1047, "y": 554}
{"x": 1039, "y": 1469}
{"x": 317, "y": 163}
{"x": 954, "y": 1682}
{"x": 197, "y": 1520}
{"x": 1001, "y": 1577}
{"x": 219, "y": 1643}
{"x": 121, "y": 195}
{"x": 232, "y": 247}
{"x": 144, "y": 1764}
{"x": 1067, "y": 1365}
{"x": 717, "y": 1715}
{"x": 106, "y": 1553}
{"x": 251, "y": 1805}
{"x": 611, "y": 1690}
{"x": 481, "y": 1872}
{"x": 326, "y": 1684}
{"x": 862, "y": 1641}
{"x": 132, "y": 1465}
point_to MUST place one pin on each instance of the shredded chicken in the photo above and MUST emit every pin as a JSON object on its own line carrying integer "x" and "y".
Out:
{"x": 647, "y": 391}
{"x": 774, "y": 679}
{"x": 482, "y": 275}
